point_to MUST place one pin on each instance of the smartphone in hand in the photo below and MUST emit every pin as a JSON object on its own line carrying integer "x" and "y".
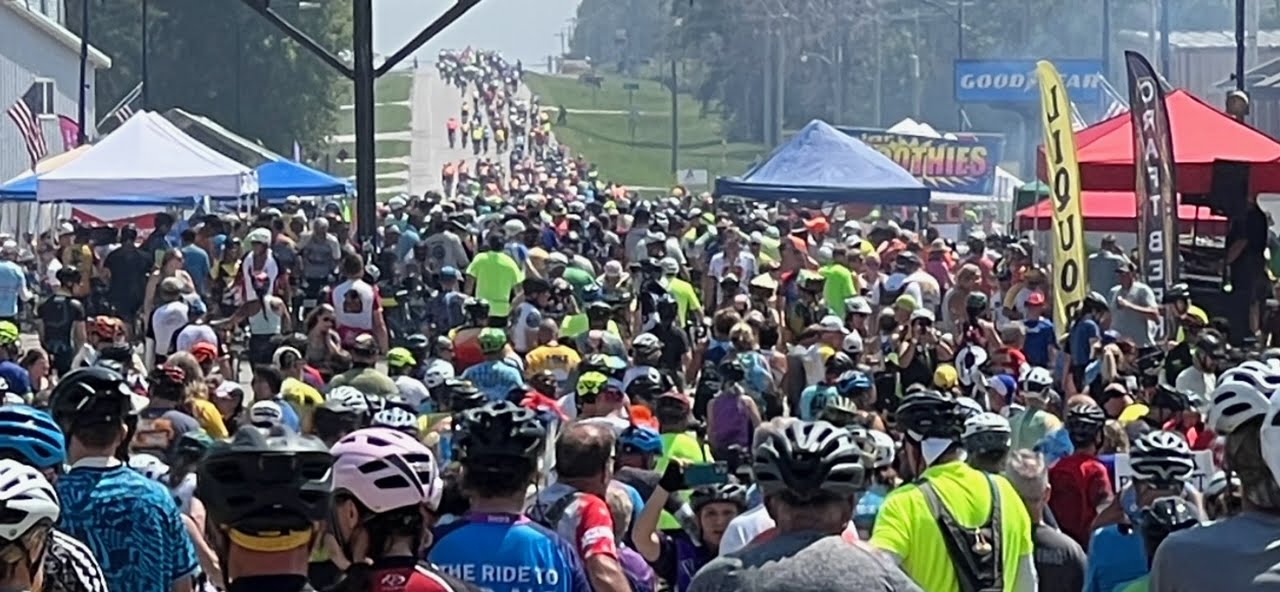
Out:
{"x": 702, "y": 474}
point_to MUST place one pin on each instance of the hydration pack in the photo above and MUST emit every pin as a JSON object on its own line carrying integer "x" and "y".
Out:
{"x": 976, "y": 553}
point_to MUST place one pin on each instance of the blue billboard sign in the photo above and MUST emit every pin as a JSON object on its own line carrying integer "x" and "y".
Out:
{"x": 1014, "y": 81}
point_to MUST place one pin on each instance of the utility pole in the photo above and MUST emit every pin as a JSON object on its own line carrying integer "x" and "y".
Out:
{"x": 564, "y": 42}
{"x": 1106, "y": 39}
{"x": 84, "y": 71}
{"x": 878, "y": 79}
{"x": 1166, "y": 60}
{"x": 146, "y": 76}
{"x": 960, "y": 55}
{"x": 766, "y": 115}
{"x": 363, "y": 74}
{"x": 1240, "y": 44}
{"x": 779, "y": 85}
{"x": 839, "y": 78}
{"x": 675, "y": 120}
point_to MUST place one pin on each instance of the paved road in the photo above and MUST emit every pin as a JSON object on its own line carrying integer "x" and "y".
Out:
{"x": 433, "y": 101}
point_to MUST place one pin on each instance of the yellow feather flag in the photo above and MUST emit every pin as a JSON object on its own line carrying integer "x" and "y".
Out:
{"x": 1069, "y": 277}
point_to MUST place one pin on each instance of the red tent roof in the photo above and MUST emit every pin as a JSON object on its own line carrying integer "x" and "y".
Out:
{"x": 1117, "y": 211}
{"x": 1201, "y": 135}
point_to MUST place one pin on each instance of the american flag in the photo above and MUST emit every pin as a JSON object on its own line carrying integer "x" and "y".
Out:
{"x": 125, "y": 108}
{"x": 25, "y": 113}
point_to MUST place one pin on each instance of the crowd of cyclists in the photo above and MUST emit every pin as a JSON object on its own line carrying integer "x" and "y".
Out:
{"x": 607, "y": 392}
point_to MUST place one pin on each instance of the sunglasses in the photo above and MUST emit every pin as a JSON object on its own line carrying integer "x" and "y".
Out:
{"x": 326, "y": 319}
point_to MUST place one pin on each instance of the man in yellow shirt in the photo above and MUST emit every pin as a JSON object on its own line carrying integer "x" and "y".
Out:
{"x": 552, "y": 356}
{"x": 907, "y": 528}
{"x": 686, "y": 297}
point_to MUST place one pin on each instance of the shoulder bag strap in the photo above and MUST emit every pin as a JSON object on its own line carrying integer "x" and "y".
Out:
{"x": 997, "y": 532}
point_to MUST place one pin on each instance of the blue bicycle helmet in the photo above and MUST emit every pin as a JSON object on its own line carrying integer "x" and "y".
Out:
{"x": 33, "y": 436}
{"x": 853, "y": 383}
{"x": 639, "y": 440}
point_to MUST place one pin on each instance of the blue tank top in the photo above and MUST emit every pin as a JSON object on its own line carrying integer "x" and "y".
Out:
{"x": 507, "y": 553}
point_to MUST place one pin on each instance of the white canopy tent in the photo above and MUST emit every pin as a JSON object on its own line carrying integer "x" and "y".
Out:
{"x": 148, "y": 157}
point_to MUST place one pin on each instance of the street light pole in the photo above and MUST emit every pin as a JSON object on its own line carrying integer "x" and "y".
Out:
{"x": 839, "y": 78}
{"x": 146, "y": 76}
{"x": 84, "y": 72}
{"x": 959, "y": 55}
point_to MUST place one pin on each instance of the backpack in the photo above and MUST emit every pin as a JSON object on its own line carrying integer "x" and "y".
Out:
{"x": 709, "y": 380}
{"x": 976, "y": 554}
{"x": 550, "y": 516}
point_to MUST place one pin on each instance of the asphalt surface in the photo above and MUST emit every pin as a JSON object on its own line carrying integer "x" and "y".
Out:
{"x": 432, "y": 102}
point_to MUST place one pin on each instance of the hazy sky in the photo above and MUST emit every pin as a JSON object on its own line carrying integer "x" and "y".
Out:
{"x": 520, "y": 29}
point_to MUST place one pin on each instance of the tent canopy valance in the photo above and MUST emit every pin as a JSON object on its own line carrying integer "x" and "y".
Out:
{"x": 147, "y": 157}
{"x": 1117, "y": 211}
{"x": 823, "y": 164}
{"x": 282, "y": 178}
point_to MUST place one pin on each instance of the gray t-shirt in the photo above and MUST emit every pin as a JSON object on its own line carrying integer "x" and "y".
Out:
{"x": 1235, "y": 554}
{"x": 1129, "y": 323}
{"x": 1060, "y": 562}
{"x": 445, "y": 249}
{"x": 802, "y": 562}
{"x": 1102, "y": 270}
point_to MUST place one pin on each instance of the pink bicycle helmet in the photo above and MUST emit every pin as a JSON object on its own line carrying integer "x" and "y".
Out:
{"x": 385, "y": 470}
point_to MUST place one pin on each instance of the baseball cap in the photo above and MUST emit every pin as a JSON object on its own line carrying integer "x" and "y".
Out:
{"x": 857, "y": 305}
{"x": 946, "y": 377}
{"x": 450, "y": 272}
{"x": 833, "y": 324}
{"x": 852, "y": 343}
{"x": 364, "y": 343}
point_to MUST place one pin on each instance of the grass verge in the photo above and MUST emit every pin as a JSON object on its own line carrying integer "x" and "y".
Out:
{"x": 640, "y": 154}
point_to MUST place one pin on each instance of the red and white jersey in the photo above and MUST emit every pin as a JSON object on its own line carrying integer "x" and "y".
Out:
{"x": 581, "y": 518}
{"x": 354, "y": 304}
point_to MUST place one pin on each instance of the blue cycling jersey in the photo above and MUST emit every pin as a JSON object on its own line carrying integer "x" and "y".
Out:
{"x": 507, "y": 553}
{"x": 132, "y": 525}
{"x": 813, "y": 399}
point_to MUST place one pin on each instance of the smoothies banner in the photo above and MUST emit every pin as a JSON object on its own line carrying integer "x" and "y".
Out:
{"x": 1069, "y": 287}
{"x": 966, "y": 164}
{"x": 1153, "y": 166}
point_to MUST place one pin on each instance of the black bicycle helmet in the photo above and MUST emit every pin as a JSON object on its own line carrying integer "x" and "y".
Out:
{"x": 267, "y": 481}
{"x": 1084, "y": 422}
{"x": 476, "y": 309}
{"x": 498, "y": 430}
{"x": 732, "y": 370}
{"x": 806, "y": 459}
{"x": 92, "y": 395}
{"x": 191, "y": 448}
{"x": 646, "y": 346}
{"x": 839, "y": 363}
{"x": 461, "y": 394}
{"x": 731, "y": 493}
{"x": 646, "y": 386}
{"x": 337, "y": 417}
{"x": 931, "y": 414}
{"x": 1176, "y": 292}
{"x": 532, "y": 286}
{"x": 1095, "y": 302}
{"x": 1165, "y": 516}
{"x": 418, "y": 345}
{"x": 1168, "y": 397}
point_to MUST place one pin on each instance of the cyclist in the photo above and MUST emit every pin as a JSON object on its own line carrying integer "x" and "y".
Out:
{"x": 499, "y": 446}
{"x": 1162, "y": 465}
{"x": 986, "y": 440}
{"x": 266, "y": 493}
{"x": 675, "y": 556}
{"x": 400, "y": 367}
{"x": 947, "y": 489}
{"x": 814, "y": 398}
{"x": 1081, "y": 483}
{"x": 30, "y": 511}
{"x": 811, "y": 475}
{"x": 131, "y": 523}
{"x": 1237, "y": 552}
{"x": 386, "y": 492}
{"x": 29, "y": 436}
{"x": 1166, "y": 516}
{"x": 495, "y": 376}
{"x": 1060, "y": 562}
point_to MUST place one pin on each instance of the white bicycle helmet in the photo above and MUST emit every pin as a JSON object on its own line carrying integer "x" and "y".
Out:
{"x": 1271, "y": 436}
{"x": 26, "y": 500}
{"x": 1235, "y": 402}
{"x": 395, "y": 418}
{"x": 970, "y": 406}
{"x": 986, "y": 423}
{"x": 968, "y": 362}
{"x": 351, "y": 398}
{"x": 1218, "y": 484}
{"x": 150, "y": 466}
{"x": 1255, "y": 373}
{"x": 1161, "y": 457}
{"x": 886, "y": 449}
{"x": 1037, "y": 380}
{"x": 266, "y": 414}
{"x": 435, "y": 376}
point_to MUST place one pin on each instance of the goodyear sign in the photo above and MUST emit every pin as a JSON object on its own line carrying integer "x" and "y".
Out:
{"x": 1014, "y": 81}
{"x": 966, "y": 164}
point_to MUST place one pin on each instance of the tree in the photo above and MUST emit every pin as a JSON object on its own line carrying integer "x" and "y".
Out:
{"x": 222, "y": 60}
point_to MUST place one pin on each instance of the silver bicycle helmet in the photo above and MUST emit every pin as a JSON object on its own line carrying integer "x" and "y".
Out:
{"x": 1161, "y": 457}
{"x": 806, "y": 459}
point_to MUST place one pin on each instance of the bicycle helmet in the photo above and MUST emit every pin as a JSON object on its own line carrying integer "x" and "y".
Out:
{"x": 853, "y": 383}
{"x": 477, "y": 310}
{"x": 1165, "y": 516}
{"x": 191, "y": 448}
{"x": 1095, "y": 302}
{"x": 1161, "y": 458}
{"x": 732, "y": 370}
{"x": 397, "y": 419}
{"x": 93, "y": 395}
{"x": 335, "y": 417}
{"x": 646, "y": 386}
{"x": 32, "y": 436}
{"x": 9, "y": 334}
{"x": 646, "y": 346}
{"x": 435, "y": 375}
{"x": 1271, "y": 436}
{"x": 400, "y": 357}
{"x": 418, "y": 345}
{"x": 1084, "y": 422}
{"x": 350, "y": 398}
{"x": 968, "y": 363}
{"x": 1254, "y": 373}
{"x": 492, "y": 341}
{"x": 639, "y": 440}
{"x": 385, "y": 470}
{"x": 730, "y": 493}
{"x": 930, "y": 414}
{"x": 1218, "y": 484}
{"x": 1235, "y": 403}
{"x": 986, "y": 432}
{"x": 1168, "y": 397}
{"x": 1037, "y": 380}
{"x": 806, "y": 459}
{"x": 886, "y": 450}
{"x": 838, "y": 364}
{"x": 266, "y": 415}
{"x": 499, "y": 430}
{"x": 264, "y": 481}
{"x": 977, "y": 301}
{"x": 27, "y": 500}
{"x": 149, "y": 466}
{"x": 969, "y": 407}
{"x": 462, "y": 394}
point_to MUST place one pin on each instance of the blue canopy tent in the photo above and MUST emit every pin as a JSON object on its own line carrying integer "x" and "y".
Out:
{"x": 282, "y": 178}
{"x": 823, "y": 164}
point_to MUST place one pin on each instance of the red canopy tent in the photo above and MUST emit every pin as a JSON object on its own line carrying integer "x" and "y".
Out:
{"x": 1117, "y": 211}
{"x": 1201, "y": 135}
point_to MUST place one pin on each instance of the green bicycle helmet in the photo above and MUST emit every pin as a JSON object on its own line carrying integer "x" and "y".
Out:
{"x": 492, "y": 341}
